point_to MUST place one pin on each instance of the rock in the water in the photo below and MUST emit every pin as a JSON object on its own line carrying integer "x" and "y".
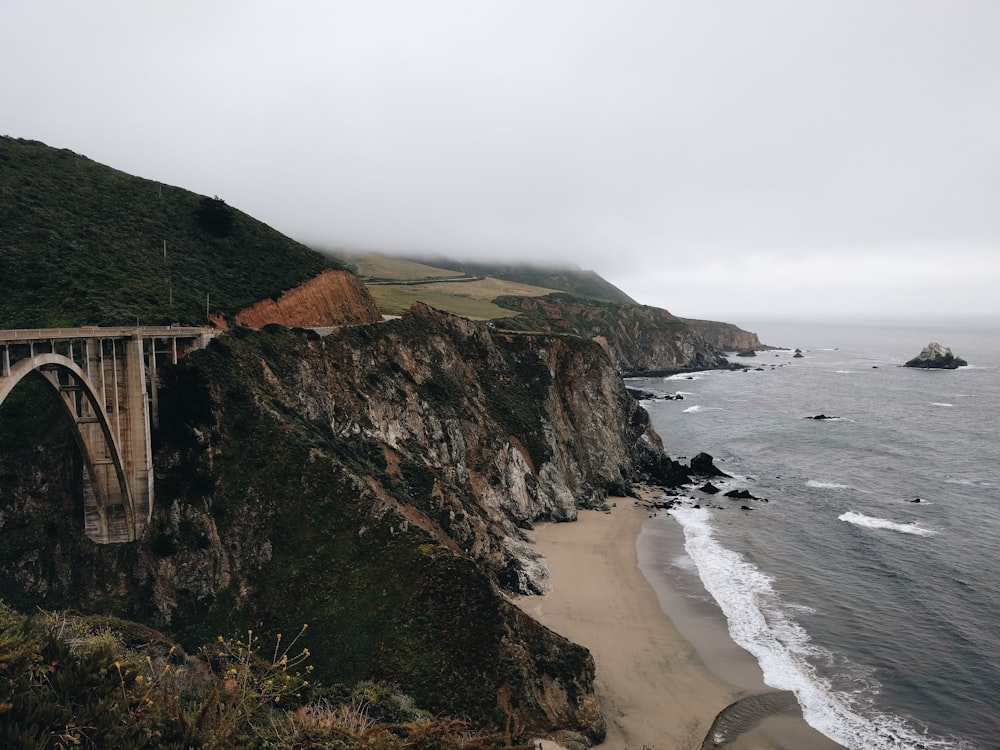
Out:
{"x": 821, "y": 417}
{"x": 935, "y": 356}
{"x": 747, "y": 353}
{"x": 798, "y": 354}
{"x": 709, "y": 488}
{"x": 640, "y": 395}
{"x": 703, "y": 464}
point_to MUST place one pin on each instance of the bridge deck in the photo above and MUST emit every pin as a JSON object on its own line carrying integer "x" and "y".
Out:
{"x": 25, "y": 335}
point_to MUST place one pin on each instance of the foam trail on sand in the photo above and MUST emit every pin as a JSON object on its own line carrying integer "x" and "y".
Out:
{"x": 871, "y": 522}
{"x": 762, "y": 624}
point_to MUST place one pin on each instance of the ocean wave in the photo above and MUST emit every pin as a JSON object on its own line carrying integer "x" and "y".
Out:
{"x": 825, "y": 485}
{"x": 700, "y": 375}
{"x": 871, "y": 522}
{"x": 761, "y": 623}
{"x": 692, "y": 409}
{"x": 939, "y": 403}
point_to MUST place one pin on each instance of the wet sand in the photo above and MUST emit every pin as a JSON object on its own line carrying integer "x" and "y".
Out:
{"x": 653, "y": 685}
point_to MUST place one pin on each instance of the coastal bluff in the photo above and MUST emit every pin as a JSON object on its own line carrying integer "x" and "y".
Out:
{"x": 640, "y": 340}
{"x": 380, "y": 484}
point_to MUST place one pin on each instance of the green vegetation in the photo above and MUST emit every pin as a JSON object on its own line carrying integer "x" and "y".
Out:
{"x": 98, "y": 682}
{"x": 574, "y": 281}
{"x": 453, "y": 297}
{"x": 376, "y": 266}
{"x": 471, "y": 298}
{"x": 83, "y": 244}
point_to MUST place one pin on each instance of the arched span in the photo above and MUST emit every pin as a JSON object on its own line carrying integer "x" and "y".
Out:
{"x": 108, "y": 493}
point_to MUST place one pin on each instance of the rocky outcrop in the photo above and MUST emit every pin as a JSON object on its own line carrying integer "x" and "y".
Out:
{"x": 333, "y": 298}
{"x": 935, "y": 356}
{"x": 378, "y": 484}
{"x": 640, "y": 340}
{"x": 726, "y": 337}
{"x": 704, "y": 465}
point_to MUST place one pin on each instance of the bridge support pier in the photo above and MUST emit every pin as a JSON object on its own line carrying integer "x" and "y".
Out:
{"x": 108, "y": 389}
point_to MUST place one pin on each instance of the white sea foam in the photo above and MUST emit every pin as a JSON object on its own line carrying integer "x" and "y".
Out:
{"x": 871, "y": 522}
{"x": 940, "y": 403}
{"x": 762, "y": 624}
{"x": 825, "y": 485}
{"x": 692, "y": 409}
{"x": 687, "y": 376}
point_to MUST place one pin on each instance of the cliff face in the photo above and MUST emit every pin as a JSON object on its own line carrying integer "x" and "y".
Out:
{"x": 333, "y": 298}
{"x": 377, "y": 484}
{"x": 637, "y": 338}
{"x": 725, "y": 336}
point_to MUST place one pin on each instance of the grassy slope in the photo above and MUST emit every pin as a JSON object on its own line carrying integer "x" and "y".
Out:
{"x": 82, "y": 243}
{"x": 575, "y": 281}
{"x": 473, "y": 299}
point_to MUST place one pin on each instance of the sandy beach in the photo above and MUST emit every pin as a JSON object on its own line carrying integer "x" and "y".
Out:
{"x": 653, "y": 686}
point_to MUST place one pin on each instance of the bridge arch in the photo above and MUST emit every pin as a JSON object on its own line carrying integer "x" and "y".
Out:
{"x": 111, "y": 517}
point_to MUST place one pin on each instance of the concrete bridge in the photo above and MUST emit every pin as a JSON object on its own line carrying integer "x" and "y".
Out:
{"x": 106, "y": 379}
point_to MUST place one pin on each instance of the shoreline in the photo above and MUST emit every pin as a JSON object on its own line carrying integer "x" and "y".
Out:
{"x": 655, "y": 687}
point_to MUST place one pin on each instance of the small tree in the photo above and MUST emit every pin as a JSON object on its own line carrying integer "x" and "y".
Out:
{"x": 214, "y": 216}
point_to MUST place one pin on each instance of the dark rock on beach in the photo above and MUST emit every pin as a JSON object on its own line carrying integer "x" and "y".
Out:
{"x": 935, "y": 356}
{"x": 704, "y": 465}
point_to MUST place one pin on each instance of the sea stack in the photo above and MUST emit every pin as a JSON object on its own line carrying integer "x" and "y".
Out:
{"x": 938, "y": 357}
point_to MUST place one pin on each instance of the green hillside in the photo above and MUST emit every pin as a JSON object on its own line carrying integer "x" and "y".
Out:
{"x": 82, "y": 243}
{"x": 575, "y": 281}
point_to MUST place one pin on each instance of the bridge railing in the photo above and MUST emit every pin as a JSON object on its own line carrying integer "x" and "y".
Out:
{"x": 87, "y": 332}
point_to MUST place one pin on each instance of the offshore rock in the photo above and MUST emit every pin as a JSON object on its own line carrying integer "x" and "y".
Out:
{"x": 935, "y": 356}
{"x": 704, "y": 465}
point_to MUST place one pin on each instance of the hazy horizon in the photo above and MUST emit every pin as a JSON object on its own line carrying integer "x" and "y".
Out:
{"x": 716, "y": 160}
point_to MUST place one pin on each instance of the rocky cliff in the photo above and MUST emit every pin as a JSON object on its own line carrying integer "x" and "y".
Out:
{"x": 638, "y": 339}
{"x": 378, "y": 484}
{"x": 333, "y": 298}
{"x": 725, "y": 337}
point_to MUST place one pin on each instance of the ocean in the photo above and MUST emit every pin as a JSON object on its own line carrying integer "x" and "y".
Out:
{"x": 882, "y": 614}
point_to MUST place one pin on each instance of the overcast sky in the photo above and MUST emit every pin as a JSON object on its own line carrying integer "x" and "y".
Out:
{"x": 718, "y": 159}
